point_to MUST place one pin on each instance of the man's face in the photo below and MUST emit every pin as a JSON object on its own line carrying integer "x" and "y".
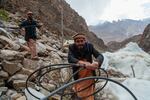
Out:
{"x": 30, "y": 16}
{"x": 80, "y": 42}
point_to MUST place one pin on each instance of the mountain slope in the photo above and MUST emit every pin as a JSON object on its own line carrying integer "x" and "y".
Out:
{"x": 49, "y": 12}
{"x": 119, "y": 30}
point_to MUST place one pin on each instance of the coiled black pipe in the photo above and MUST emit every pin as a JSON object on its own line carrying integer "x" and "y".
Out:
{"x": 67, "y": 66}
{"x": 88, "y": 78}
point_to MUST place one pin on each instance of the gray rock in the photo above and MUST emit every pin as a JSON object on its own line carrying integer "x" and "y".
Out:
{"x": 15, "y": 96}
{"x": 3, "y": 89}
{"x": 32, "y": 64}
{"x": 10, "y": 67}
{"x": 2, "y": 83}
{"x": 21, "y": 98}
{"x": 61, "y": 54}
{"x": 41, "y": 48}
{"x": 50, "y": 87}
{"x": 11, "y": 55}
{"x": 4, "y": 97}
{"x": 3, "y": 74}
{"x": 5, "y": 33}
{"x": 49, "y": 48}
{"x": 56, "y": 59}
{"x": 21, "y": 84}
{"x": 18, "y": 77}
{"x": 65, "y": 74}
{"x": 26, "y": 71}
{"x": 4, "y": 40}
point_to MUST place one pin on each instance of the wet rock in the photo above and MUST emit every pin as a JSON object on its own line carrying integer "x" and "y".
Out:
{"x": 4, "y": 40}
{"x": 10, "y": 67}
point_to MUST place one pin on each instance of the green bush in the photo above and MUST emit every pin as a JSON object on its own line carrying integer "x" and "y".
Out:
{"x": 4, "y": 15}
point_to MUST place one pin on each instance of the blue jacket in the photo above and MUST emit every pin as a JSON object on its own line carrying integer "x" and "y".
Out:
{"x": 30, "y": 27}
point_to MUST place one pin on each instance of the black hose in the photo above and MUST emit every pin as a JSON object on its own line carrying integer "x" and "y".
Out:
{"x": 67, "y": 66}
{"x": 88, "y": 78}
{"x": 44, "y": 67}
{"x": 62, "y": 92}
{"x": 91, "y": 85}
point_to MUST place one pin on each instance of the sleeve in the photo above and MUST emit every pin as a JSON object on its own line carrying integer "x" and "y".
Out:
{"x": 23, "y": 24}
{"x": 99, "y": 57}
{"x": 71, "y": 58}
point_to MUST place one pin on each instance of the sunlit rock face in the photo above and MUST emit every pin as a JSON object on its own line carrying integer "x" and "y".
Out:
{"x": 145, "y": 40}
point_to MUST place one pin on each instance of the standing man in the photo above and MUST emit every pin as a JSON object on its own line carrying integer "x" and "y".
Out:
{"x": 30, "y": 33}
{"x": 81, "y": 53}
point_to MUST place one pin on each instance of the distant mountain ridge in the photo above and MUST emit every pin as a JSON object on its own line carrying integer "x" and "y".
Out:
{"x": 119, "y": 30}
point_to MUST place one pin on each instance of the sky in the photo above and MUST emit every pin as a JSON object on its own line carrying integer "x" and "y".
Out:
{"x": 96, "y": 11}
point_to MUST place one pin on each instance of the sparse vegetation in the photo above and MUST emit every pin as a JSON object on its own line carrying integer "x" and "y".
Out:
{"x": 4, "y": 15}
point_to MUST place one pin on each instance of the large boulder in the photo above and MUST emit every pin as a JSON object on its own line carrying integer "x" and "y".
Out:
{"x": 3, "y": 74}
{"x": 4, "y": 40}
{"x": 32, "y": 64}
{"x": 11, "y": 55}
{"x": 5, "y": 33}
{"x": 11, "y": 67}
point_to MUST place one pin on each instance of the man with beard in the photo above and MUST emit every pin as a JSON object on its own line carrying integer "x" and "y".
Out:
{"x": 30, "y": 33}
{"x": 81, "y": 52}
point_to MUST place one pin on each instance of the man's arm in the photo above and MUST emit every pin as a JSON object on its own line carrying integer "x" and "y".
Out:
{"x": 99, "y": 57}
{"x": 23, "y": 24}
{"x": 71, "y": 58}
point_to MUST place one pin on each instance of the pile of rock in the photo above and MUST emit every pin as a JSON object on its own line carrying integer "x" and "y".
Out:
{"x": 15, "y": 62}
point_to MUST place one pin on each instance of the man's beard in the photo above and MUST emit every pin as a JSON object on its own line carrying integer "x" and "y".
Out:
{"x": 80, "y": 47}
{"x": 30, "y": 18}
